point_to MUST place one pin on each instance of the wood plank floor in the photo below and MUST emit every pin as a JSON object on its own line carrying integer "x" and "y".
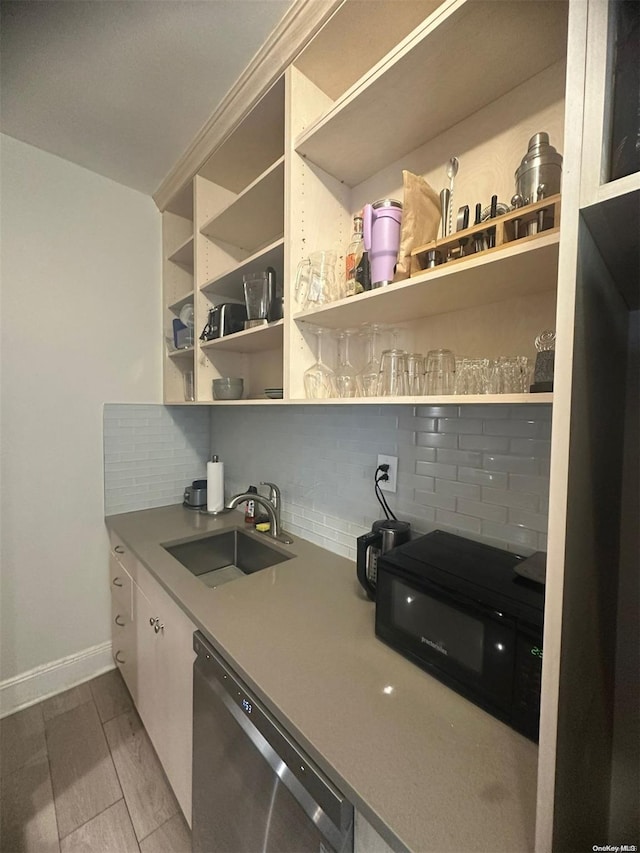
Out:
{"x": 79, "y": 775}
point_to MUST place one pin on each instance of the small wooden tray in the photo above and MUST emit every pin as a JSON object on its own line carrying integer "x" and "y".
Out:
{"x": 516, "y": 222}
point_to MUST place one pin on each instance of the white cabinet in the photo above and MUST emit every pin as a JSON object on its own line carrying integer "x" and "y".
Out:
{"x": 152, "y": 646}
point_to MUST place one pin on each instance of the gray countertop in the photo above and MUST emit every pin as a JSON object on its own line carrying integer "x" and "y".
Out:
{"x": 429, "y": 770}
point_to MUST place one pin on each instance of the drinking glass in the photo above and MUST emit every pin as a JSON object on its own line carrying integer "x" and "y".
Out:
{"x": 319, "y": 379}
{"x": 189, "y": 388}
{"x": 393, "y": 373}
{"x": 367, "y": 378}
{"x": 345, "y": 373}
{"x": 415, "y": 374}
{"x": 440, "y": 373}
{"x": 316, "y": 280}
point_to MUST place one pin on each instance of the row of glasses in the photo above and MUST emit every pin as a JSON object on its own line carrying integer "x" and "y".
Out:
{"x": 504, "y": 375}
{"x": 397, "y": 373}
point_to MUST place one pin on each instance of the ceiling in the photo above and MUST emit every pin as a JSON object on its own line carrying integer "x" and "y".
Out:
{"x": 122, "y": 87}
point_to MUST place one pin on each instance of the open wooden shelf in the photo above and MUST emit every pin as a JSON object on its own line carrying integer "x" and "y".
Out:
{"x": 258, "y": 339}
{"x": 182, "y": 353}
{"x": 177, "y": 306}
{"x": 254, "y": 218}
{"x": 183, "y": 255}
{"x": 229, "y": 283}
{"x": 417, "y": 91}
{"x": 516, "y": 269}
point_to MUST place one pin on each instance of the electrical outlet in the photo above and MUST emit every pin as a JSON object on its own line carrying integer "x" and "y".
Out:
{"x": 390, "y": 485}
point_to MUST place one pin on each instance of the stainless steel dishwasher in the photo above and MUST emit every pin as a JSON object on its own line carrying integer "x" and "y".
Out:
{"x": 254, "y": 790}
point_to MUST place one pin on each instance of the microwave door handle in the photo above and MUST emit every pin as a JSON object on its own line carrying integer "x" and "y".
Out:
{"x": 362, "y": 560}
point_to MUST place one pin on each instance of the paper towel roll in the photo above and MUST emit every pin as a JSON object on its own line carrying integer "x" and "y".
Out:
{"x": 215, "y": 485}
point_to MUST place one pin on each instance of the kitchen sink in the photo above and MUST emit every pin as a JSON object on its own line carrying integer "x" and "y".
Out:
{"x": 223, "y": 557}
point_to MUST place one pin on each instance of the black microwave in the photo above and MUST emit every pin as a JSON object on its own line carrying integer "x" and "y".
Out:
{"x": 459, "y": 610}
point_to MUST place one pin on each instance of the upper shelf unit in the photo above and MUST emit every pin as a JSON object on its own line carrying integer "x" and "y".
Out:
{"x": 256, "y": 217}
{"x": 252, "y": 147}
{"x": 227, "y": 283}
{"x": 519, "y": 269}
{"x": 456, "y": 62}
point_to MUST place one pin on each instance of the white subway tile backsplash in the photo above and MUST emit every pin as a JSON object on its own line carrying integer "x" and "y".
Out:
{"x": 531, "y": 520}
{"x": 505, "y": 497}
{"x": 436, "y": 439}
{"x": 456, "y": 521}
{"x": 510, "y": 464}
{"x": 458, "y": 490}
{"x": 460, "y": 425}
{"x": 520, "y": 428}
{"x": 533, "y": 485}
{"x": 478, "y": 509}
{"x": 483, "y": 478}
{"x": 499, "y": 444}
{"x": 436, "y": 469}
{"x": 470, "y": 458}
{"x": 151, "y": 453}
{"x": 435, "y": 499}
{"x": 466, "y": 468}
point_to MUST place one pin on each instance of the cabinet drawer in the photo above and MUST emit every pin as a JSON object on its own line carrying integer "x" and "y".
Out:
{"x": 120, "y": 585}
{"x": 122, "y": 553}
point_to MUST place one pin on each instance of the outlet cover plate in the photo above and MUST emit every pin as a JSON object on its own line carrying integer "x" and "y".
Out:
{"x": 390, "y": 485}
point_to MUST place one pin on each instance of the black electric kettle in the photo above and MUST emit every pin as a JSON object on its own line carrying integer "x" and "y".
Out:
{"x": 385, "y": 535}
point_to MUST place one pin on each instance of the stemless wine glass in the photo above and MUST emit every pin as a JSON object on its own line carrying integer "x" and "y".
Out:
{"x": 415, "y": 374}
{"x": 440, "y": 375}
{"x": 393, "y": 373}
{"x": 319, "y": 379}
{"x": 367, "y": 378}
{"x": 345, "y": 373}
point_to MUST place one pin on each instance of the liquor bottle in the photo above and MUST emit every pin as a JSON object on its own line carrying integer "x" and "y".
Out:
{"x": 353, "y": 257}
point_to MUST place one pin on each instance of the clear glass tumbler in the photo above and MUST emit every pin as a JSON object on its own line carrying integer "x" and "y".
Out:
{"x": 367, "y": 378}
{"x": 393, "y": 374}
{"x": 440, "y": 372}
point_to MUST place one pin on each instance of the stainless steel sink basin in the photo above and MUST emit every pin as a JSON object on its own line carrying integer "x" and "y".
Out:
{"x": 222, "y": 557}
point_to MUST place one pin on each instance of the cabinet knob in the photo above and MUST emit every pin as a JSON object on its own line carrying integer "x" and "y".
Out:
{"x": 118, "y": 657}
{"x": 118, "y": 622}
{"x": 117, "y": 582}
{"x": 158, "y": 626}
{"x": 119, "y": 549}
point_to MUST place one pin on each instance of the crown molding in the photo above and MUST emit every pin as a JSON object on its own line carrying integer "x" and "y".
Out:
{"x": 301, "y": 22}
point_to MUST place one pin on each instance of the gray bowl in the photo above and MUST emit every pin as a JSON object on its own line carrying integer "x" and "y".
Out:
{"x": 227, "y": 388}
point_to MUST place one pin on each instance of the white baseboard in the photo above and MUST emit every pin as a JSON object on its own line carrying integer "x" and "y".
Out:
{"x": 37, "y": 684}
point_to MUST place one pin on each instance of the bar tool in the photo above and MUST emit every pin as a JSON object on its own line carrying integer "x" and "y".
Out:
{"x": 452, "y": 170}
{"x": 433, "y": 258}
{"x": 445, "y": 200}
{"x": 478, "y": 237}
{"x": 492, "y": 231}
{"x": 461, "y": 224}
{"x": 516, "y": 202}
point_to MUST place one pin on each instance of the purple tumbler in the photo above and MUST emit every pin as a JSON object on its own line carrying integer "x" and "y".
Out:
{"x": 382, "y": 238}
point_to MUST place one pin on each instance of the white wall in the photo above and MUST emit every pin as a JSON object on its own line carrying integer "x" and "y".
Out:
{"x": 81, "y": 309}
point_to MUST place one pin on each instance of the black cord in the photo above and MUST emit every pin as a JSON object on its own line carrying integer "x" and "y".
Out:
{"x": 389, "y": 514}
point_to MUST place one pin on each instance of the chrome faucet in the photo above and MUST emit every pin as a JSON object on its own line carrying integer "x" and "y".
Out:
{"x": 275, "y": 498}
{"x": 275, "y": 530}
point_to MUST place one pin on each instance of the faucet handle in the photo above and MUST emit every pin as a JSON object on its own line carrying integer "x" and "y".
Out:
{"x": 274, "y": 493}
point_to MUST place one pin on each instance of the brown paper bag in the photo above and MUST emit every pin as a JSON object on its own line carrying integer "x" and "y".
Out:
{"x": 420, "y": 220}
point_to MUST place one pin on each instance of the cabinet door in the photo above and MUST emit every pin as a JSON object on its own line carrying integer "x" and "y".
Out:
{"x": 174, "y": 658}
{"x": 148, "y": 691}
{"x": 164, "y": 681}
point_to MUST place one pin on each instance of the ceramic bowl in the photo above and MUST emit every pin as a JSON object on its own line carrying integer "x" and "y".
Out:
{"x": 227, "y": 388}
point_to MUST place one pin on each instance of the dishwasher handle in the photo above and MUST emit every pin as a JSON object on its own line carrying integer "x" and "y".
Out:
{"x": 250, "y": 713}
